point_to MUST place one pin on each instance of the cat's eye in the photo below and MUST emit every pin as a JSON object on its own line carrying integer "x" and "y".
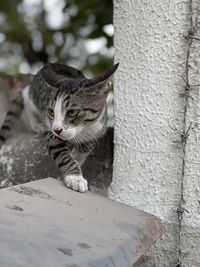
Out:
{"x": 72, "y": 112}
{"x": 51, "y": 112}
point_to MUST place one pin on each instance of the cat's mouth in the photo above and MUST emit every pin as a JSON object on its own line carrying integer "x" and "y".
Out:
{"x": 64, "y": 138}
{"x": 66, "y": 134}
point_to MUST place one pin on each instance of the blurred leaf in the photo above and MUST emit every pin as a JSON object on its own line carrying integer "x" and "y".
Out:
{"x": 27, "y": 28}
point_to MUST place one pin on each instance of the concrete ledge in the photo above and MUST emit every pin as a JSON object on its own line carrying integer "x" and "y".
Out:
{"x": 42, "y": 223}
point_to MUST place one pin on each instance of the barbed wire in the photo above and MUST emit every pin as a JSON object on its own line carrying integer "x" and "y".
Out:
{"x": 191, "y": 36}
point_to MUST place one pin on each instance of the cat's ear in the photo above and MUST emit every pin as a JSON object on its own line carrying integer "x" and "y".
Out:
{"x": 56, "y": 74}
{"x": 52, "y": 78}
{"x": 99, "y": 84}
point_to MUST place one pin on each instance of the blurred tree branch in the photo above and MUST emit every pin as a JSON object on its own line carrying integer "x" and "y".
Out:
{"x": 28, "y": 35}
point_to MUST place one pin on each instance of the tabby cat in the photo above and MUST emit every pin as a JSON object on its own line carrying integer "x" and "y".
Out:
{"x": 71, "y": 108}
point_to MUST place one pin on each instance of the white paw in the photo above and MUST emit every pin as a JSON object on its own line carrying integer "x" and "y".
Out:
{"x": 76, "y": 182}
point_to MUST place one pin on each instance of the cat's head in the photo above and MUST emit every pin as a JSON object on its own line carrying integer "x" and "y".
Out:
{"x": 77, "y": 108}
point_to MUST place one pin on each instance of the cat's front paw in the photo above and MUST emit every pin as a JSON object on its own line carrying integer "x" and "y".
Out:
{"x": 76, "y": 182}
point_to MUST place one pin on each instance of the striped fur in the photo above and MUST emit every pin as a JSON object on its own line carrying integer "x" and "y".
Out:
{"x": 71, "y": 108}
{"x": 13, "y": 114}
{"x": 61, "y": 154}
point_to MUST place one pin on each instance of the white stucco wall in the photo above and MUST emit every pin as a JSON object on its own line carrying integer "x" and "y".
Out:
{"x": 150, "y": 47}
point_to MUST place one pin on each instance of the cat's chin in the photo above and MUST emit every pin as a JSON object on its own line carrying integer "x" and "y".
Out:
{"x": 67, "y": 138}
{"x": 64, "y": 138}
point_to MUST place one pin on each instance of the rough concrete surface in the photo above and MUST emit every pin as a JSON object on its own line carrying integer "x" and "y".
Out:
{"x": 42, "y": 223}
{"x": 150, "y": 47}
{"x": 145, "y": 261}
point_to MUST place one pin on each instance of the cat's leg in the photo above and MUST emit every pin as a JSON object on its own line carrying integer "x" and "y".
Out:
{"x": 68, "y": 166}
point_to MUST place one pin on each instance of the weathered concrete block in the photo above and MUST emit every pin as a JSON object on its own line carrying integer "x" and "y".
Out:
{"x": 42, "y": 223}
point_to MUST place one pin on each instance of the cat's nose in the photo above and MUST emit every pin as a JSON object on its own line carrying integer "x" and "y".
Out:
{"x": 57, "y": 131}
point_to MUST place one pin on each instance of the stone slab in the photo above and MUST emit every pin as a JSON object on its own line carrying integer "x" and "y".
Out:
{"x": 42, "y": 223}
{"x": 145, "y": 261}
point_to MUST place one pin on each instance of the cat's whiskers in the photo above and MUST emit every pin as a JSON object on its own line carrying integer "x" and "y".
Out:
{"x": 83, "y": 140}
{"x": 76, "y": 140}
{"x": 45, "y": 139}
{"x": 82, "y": 143}
{"x": 50, "y": 139}
{"x": 89, "y": 137}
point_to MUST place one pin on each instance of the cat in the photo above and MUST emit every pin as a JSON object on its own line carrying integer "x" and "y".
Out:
{"x": 62, "y": 102}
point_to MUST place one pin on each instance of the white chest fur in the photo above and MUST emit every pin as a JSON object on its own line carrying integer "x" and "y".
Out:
{"x": 35, "y": 121}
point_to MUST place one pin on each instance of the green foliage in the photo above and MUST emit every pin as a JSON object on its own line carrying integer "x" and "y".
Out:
{"x": 33, "y": 32}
